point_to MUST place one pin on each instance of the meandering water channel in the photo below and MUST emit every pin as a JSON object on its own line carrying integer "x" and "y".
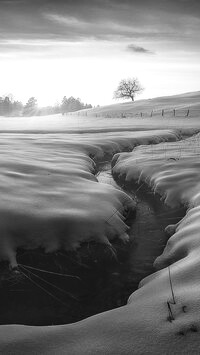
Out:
{"x": 104, "y": 279}
{"x": 147, "y": 235}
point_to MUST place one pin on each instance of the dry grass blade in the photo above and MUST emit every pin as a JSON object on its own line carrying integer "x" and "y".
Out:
{"x": 42, "y": 288}
{"x": 50, "y": 284}
{"x": 49, "y": 272}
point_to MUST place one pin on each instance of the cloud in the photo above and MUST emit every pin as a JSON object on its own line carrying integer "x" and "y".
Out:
{"x": 110, "y": 20}
{"x": 137, "y": 49}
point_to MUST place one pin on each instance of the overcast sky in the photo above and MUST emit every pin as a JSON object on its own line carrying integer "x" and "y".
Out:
{"x": 83, "y": 48}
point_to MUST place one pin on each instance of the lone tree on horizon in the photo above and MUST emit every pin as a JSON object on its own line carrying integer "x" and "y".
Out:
{"x": 128, "y": 88}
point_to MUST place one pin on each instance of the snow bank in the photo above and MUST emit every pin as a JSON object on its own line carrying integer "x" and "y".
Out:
{"x": 141, "y": 328}
{"x": 50, "y": 197}
{"x": 171, "y": 169}
{"x": 156, "y": 320}
{"x": 172, "y": 317}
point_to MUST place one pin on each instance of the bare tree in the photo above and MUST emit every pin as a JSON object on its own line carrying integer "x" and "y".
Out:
{"x": 128, "y": 88}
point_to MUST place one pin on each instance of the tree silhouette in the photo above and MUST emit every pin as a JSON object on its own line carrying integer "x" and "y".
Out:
{"x": 128, "y": 88}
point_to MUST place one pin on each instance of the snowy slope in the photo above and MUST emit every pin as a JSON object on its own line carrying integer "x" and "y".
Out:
{"x": 109, "y": 118}
{"x": 180, "y": 102}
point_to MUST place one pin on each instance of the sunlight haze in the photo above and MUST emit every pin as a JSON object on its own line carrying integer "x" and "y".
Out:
{"x": 52, "y": 49}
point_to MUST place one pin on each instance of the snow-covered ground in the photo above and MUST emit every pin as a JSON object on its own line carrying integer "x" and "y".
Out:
{"x": 109, "y": 118}
{"x": 50, "y": 197}
{"x": 172, "y": 170}
{"x": 152, "y": 107}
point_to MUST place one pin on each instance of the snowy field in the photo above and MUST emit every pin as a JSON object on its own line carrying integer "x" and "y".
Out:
{"x": 51, "y": 198}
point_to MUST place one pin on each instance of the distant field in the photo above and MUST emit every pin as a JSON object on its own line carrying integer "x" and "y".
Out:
{"x": 180, "y": 103}
{"x": 113, "y": 118}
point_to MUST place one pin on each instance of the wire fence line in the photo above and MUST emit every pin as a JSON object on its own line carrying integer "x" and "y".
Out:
{"x": 176, "y": 112}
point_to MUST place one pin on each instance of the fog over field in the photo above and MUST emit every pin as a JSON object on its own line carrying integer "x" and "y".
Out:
{"x": 100, "y": 199}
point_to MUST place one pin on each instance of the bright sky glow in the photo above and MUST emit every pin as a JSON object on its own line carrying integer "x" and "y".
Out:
{"x": 66, "y": 52}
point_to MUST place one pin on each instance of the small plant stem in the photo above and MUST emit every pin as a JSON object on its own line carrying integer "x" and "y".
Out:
{"x": 171, "y": 286}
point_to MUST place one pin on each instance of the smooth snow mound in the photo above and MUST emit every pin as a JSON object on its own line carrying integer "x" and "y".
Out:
{"x": 50, "y": 197}
{"x": 171, "y": 169}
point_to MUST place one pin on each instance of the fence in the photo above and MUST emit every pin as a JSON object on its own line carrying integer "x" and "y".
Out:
{"x": 177, "y": 112}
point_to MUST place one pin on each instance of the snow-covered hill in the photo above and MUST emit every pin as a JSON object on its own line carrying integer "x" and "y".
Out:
{"x": 180, "y": 103}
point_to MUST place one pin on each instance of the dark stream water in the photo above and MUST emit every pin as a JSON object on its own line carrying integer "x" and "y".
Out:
{"x": 104, "y": 279}
{"x": 147, "y": 235}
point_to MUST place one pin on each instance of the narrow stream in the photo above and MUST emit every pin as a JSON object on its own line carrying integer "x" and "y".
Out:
{"x": 147, "y": 236}
{"x": 102, "y": 281}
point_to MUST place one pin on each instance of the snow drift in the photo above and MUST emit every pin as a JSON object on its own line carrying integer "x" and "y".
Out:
{"x": 50, "y": 197}
{"x": 171, "y": 169}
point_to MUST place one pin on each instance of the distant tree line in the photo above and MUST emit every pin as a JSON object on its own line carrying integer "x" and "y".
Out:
{"x": 71, "y": 104}
{"x": 10, "y": 107}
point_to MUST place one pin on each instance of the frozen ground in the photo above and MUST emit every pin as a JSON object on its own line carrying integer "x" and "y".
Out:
{"x": 162, "y": 317}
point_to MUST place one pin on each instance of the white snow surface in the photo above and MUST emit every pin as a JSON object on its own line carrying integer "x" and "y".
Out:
{"x": 152, "y": 107}
{"x": 170, "y": 169}
{"x": 50, "y": 197}
{"x": 142, "y": 327}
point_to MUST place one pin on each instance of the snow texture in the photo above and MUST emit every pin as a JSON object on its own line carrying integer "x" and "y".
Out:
{"x": 171, "y": 170}
{"x": 50, "y": 197}
{"x": 144, "y": 326}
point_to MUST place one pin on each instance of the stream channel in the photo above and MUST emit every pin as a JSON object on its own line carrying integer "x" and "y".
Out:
{"x": 104, "y": 280}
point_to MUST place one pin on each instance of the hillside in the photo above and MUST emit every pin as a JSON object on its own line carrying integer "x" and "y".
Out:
{"x": 180, "y": 102}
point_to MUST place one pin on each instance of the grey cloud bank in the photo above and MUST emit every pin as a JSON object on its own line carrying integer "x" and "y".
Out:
{"x": 112, "y": 20}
